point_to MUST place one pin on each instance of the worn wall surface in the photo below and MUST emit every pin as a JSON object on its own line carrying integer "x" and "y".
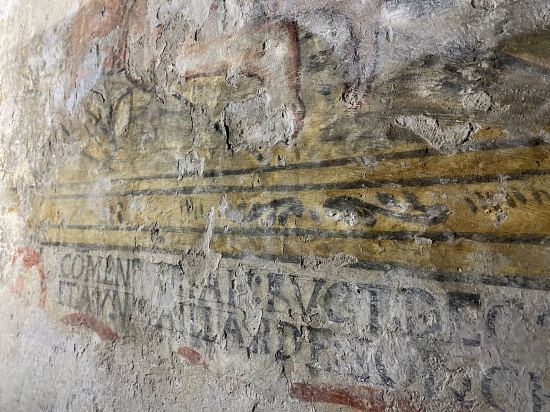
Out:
{"x": 270, "y": 205}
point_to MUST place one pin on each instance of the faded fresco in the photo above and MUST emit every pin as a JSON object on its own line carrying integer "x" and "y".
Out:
{"x": 275, "y": 205}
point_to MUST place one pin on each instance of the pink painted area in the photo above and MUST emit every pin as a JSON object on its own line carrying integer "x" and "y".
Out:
{"x": 31, "y": 259}
{"x": 194, "y": 357}
{"x": 363, "y": 398}
{"x": 88, "y": 321}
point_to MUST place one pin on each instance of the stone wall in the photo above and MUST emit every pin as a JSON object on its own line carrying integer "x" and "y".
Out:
{"x": 275, "y": 205}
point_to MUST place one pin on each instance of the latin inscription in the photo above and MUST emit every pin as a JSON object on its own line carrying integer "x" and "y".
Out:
{"x": 377, "y": 332}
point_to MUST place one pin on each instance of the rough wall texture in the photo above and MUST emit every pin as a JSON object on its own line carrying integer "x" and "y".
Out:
{"x": 275, "y": 205}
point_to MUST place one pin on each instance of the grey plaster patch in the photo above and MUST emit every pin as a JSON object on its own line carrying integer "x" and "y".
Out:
{"x": 256, "y": 123}
{"x": 446, "y": 139}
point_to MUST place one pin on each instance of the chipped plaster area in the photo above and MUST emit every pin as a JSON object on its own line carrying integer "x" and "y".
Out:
{"x": 274, "y": 205}
{"x": 255, "y": 122}
{"x": 445, "y": 139}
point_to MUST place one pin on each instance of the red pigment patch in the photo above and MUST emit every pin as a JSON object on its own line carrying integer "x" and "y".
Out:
{"x": 31, "y": 259}
{"x": 90, "y": 322}
{"x": 194, "y": 357}
{"x": 363, "y": 398}
{"x": 94, "y": 20}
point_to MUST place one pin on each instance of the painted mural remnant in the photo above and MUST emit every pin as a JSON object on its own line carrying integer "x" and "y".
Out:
{"x": 377, "y": 273}
{"x": 305, "y": 203}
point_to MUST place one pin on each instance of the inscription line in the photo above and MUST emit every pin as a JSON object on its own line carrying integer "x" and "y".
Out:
{"x": 517, "y": 281}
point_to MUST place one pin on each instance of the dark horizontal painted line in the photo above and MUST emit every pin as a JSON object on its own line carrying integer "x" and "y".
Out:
{"x": 507, "y": 59}
{"x": 270, "y": 169}
{"x": 410, "y": 154}
{"x": 441, "y": 236}
{"x": 518, "y": 281}
{"x": 358, "y": 184}
{"x": 511, "y": 281}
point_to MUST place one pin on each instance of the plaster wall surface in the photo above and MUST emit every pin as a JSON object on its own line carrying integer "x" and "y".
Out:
{"x": 275, "y": 205}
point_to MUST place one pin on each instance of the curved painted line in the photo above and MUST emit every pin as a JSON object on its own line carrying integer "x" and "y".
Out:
{"x": 88, "y": 321}
{"x": 194, "y": 357}
{"x": 31, "y": 258}
{"x": 363, "y": 398}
